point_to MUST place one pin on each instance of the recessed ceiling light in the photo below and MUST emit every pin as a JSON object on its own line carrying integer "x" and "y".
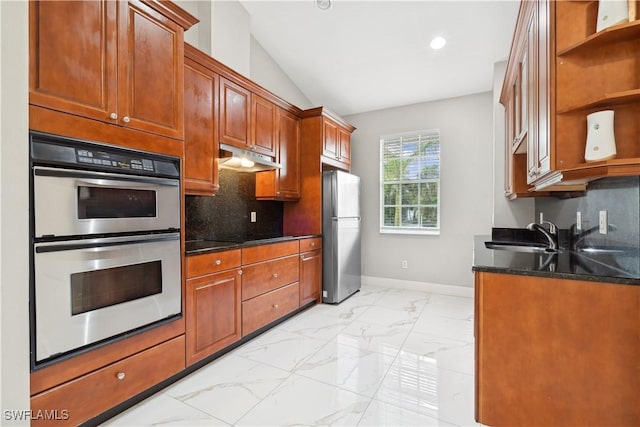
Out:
{"x": 438, "y": 43}
{"x": 323, "y": 4}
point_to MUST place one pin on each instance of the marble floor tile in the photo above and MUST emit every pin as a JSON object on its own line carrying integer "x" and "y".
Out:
{"x": 446, "y": 327}
{"x": 281, "y": 349}
{"x": 166, "y": 411}
{"x": 360, "y": 371}
{"x": 315, "y": 325}
{"x": 384, "y": 414}
{"x": 301, "y": 401}
{"x": 229, "y": 387}
{"x": 400, "y": 299}
{"x": 448, "y": 306}
{"x": 448, "y": 353}
{"x": 384, "y": 356}
{"x": 374, "y": 337}
{"x": 388, "y": 316}
{"x": 416, "y": 383}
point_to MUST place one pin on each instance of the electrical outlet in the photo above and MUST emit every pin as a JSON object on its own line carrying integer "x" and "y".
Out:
{"x": 578, "y": 221}
{"x": 405, "y": 264}
{"x": 253, "y": 217}
{"x": 603, "y": 222}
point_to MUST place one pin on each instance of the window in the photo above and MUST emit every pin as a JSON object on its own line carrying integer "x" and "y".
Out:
{"x": 410, "y": 183}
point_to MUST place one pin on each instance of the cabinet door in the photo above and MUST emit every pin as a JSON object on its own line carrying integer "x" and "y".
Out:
{"x": 543, "y": 90}
{"x": 330, "y": 143}
{"x": 150, "y": 74}
{"x": 310, "y": 276}
{"x": 213, "y": 313}
{"x": 344, "y": 145}
{"x": 235, "y": 102}
{"x": 263, "y": 124}
{"x": 288, "y": 178}
{"x": 73, "y": 57}
{"x": 284, "y": 183}
{"x": 200, "y": 130}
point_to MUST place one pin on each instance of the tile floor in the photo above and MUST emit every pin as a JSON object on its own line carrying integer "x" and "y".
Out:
{"x": 383, "y": 357}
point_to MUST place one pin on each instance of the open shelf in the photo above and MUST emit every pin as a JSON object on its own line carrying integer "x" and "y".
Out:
{"x": 607, "y": 100}
{"x": 617, "y": 33}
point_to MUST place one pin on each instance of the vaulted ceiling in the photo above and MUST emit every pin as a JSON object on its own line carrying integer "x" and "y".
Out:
{"x": 360, "y": 56}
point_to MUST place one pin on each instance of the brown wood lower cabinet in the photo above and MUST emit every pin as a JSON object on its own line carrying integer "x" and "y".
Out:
{"x": 264, "y": 309}
{"x": 553, "y": 352}
{"x": 213, "y": 313}
{"x": 310, "y": 270}
{"x": 84, "y": 398}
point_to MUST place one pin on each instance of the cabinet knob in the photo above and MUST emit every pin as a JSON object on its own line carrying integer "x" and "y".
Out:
{"x": 240, "y": 272}
{"x": 275, "y": 306}
{"x": 312, "y": 244}
{"x": 120, "y": 375}
{"x": 113, "y": 116}
{"x": 126, "y": 119}
{"x": 275, "y": 275}
{"x": 218, "y": 262}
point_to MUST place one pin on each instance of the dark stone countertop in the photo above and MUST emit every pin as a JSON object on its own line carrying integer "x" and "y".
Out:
{"x": 198, "y": 247}
{"x": 610, "y": 267}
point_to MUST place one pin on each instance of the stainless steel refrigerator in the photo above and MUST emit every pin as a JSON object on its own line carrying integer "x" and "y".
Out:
{"x": 341, "y": 272}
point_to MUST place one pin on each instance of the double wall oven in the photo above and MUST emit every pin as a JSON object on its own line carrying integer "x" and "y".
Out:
{"x": 105, "y": 244}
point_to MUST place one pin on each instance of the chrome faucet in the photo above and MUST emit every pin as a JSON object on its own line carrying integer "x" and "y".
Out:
{"x": 551, "y": 235}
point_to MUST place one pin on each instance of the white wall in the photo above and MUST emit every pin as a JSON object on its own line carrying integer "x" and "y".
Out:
{"x": 268, "y": 74}
{"x": 466, "y": 134}
{"x": 14, "y": 209}
{"x": 515, "y": 213}
{"x": 224, "y": 32}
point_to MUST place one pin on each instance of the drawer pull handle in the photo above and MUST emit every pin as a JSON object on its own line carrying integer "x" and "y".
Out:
{"x": 275, "y": 306}
{"x": 218, "y": 262}
{"x": 312, "y": 244}
{"x": 275, "y": 275}
{"x": 120, "y": 375}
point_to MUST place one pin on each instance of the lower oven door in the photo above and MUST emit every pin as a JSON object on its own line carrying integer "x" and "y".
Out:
{"x": 87, "y": 291}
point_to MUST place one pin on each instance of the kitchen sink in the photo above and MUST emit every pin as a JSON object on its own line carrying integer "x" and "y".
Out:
{"x": 519, "y": 247}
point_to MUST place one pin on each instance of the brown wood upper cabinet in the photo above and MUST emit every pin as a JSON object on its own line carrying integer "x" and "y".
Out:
{"x": 117, "y": 62}
{"x": 235, "y": 109}
{"x": 525, "y": 96}
{"x": 572, "y": 71}
{"x": 284, "y": 183}
{"x": 336, "y": 148}
{"x": 201, "y": 125}
{"x": 246, "y": 119}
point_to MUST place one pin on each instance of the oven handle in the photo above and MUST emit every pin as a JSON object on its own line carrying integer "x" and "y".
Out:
{"x": 104, "y": 242}
{"x": 70, "y": 173}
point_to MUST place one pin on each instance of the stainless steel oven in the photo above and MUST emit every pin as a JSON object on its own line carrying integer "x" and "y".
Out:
{"x": 106, "y": 243}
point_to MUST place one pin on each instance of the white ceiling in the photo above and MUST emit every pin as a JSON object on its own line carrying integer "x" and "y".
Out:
{"x": 367, "y": 55}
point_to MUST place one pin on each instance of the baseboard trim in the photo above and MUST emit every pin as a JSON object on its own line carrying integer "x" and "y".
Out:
{"x": 436, "y": 288}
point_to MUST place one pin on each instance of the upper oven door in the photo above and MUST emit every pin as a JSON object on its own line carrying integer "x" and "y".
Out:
{"x": 70, "y": 202}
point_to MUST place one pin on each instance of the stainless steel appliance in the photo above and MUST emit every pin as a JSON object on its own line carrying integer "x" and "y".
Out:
{"x": 106, "y": 243}
{"x": 341, "y": 234}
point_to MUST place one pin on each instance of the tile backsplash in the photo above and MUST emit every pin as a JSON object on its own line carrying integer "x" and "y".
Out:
{"x": 226, "y": 216}
{"x": 620, "y": 197}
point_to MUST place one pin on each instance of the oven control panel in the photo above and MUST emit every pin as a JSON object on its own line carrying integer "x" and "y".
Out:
{"x": 114, "y": 160}
{"x": 53, "y": 150}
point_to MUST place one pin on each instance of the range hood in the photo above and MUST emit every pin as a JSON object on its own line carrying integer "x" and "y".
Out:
{"x": 240, "y": 160}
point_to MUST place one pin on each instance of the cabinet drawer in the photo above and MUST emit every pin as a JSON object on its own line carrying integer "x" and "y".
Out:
{"x": 269, "y": 275}
{"x": 199, "y": 265}
{"x": 92, "y": 394}
{"x": 266, "y": 308}
{"x": 310, "y": 244}
{"x": 273, "y": 250}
